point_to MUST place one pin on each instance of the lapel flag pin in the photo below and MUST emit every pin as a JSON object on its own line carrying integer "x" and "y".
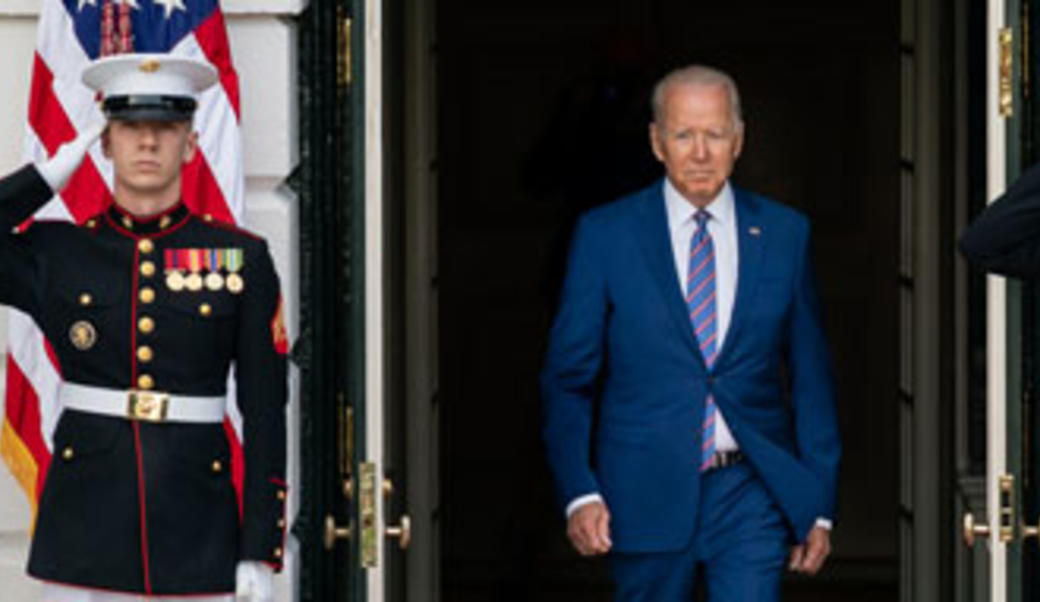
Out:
{"x": 754, "y": 231}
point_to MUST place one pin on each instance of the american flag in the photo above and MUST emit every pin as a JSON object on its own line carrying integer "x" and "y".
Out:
{"x": 70, "y": 34}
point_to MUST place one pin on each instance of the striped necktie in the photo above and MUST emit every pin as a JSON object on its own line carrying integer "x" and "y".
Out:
{"x": 700, "y": 301}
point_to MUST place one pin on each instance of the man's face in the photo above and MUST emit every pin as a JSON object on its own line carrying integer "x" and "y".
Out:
{"x": 697, "y": 140}
{"x": 148, "y": 155}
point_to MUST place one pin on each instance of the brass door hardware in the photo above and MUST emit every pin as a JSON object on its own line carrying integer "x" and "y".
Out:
{"x": 403, "y": 533}
{"x": 1029, "y": 531}
{"x": 367, "y": 508}
{"x": 1007, "y": 509}
{"x": 334, "y": 533}
{"x": 1006, "y": 99}
{"x": 972, "y": 530}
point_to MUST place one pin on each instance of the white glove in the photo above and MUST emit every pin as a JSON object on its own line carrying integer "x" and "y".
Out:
{"x": 57, "y": 170}
{"x": 254, "y": 582}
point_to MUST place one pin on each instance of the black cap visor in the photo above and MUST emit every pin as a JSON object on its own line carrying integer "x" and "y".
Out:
{"x": 141, "y": 107}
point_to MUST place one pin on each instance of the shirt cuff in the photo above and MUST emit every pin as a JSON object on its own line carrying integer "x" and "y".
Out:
{"x": 825, "y": 523}
{"x": 583, "y": 500}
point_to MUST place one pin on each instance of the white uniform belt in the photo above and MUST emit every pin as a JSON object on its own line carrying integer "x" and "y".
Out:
{"x": 148, "y": 406}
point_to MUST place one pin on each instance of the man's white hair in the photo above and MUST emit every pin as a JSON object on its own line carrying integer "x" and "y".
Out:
{"x": 697, "y": 75}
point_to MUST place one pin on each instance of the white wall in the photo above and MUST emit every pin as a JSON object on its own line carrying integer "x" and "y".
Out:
{"x": 263, "y": 44}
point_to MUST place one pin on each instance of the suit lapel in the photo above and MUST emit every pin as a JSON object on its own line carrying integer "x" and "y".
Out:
{"x": 655, "y": 241}
{"x": 750, "y": 242}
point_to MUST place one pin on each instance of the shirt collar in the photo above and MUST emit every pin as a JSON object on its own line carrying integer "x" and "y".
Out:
{"x": 681, "y": 211}
{"x": 133, "y": 225}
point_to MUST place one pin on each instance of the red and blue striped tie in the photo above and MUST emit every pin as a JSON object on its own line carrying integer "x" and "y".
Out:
{"x": 700, "y": 300}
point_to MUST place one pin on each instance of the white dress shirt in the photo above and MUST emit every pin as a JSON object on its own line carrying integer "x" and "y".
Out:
{"x": 723, "y": 230}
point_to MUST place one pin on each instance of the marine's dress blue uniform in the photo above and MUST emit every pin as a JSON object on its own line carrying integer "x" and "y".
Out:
{"x": 137, "y": 506}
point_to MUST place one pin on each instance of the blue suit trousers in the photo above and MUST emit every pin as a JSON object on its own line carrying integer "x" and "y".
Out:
{"x": 740, "y": 548}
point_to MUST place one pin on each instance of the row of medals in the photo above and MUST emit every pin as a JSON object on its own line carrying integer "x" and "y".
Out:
{"x": 214, "y": 281}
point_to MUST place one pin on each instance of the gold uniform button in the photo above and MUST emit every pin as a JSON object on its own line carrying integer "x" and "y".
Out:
{"x": 145, "y": 245}
{"x": 208, "y": 217}
{"x": 217, "y": 466}
{"x": 145, "y": 354}
{"x": 146, "y": 325}
{"x": 92, "y": 223}
{"x": 277, "y": 552}
{"x": 145, "y": 382}
{"x": 85, "y": 299}
{"x": 205, "y": 309}
{"x": 281, "y": 495}
{"x": 67, "y": 453}
{"x": 147, "y": 269}
{"x": 281, "y": 523}
{"x": 147, "y": 295}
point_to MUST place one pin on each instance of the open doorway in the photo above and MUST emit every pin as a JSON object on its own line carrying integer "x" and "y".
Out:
{"x": 542, "y": 113}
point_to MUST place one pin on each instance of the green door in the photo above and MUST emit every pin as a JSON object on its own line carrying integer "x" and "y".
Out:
{"x": 329, "y": 352}
{"x": 1012, "y": 333}
{"x": 350, "y": 528}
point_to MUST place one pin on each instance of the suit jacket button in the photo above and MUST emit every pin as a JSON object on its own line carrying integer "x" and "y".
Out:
{"x": 217, "y": 466}
{"x": 277, "y": 552}
{"x": 67, "y": 454}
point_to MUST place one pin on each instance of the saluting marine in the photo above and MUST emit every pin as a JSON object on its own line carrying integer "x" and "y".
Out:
{"x": 146, "y": 307}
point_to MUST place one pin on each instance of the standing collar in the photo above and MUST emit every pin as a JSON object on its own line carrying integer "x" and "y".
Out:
{"x": 721, "y": 208}
{"x": 137, "y": 225}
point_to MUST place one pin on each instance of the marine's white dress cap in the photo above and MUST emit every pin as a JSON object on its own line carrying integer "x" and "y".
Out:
{"x": 158, "y": 87}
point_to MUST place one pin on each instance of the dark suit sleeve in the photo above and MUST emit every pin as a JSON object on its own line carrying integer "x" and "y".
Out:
{"x": 1005, "y": 238}
{"x": 21, "y": 194}
{"x": 260, "y": 374}
{"x": 812, "y": 384}
{"x": 572, "y": 366}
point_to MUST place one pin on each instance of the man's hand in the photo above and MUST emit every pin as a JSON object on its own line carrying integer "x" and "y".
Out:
{"x": 589, "y": 529}
{"x": 808, "y": 558}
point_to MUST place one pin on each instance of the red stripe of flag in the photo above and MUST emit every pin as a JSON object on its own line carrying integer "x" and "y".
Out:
{"x": 23, "y": 412}
{"x": 86, "y": 193}
{"x": 211, "y": 35}
{"x": 46, "y": 115}
{"x": 201, "y": 192}
{"x": 238, "y": 462}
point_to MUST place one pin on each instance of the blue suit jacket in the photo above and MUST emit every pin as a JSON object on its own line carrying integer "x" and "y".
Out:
{"x": 622, "y": 335}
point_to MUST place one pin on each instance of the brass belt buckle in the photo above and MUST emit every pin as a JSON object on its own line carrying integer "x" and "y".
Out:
{"x": 148, "y": 406}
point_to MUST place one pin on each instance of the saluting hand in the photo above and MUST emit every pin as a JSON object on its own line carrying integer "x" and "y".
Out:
{"x": 808, "y": 558}
{"x": 57, "y": 170}
{"x": 589, "y": 529}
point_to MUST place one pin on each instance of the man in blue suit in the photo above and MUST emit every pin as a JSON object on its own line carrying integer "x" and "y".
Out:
{"x": 689, "y": 315}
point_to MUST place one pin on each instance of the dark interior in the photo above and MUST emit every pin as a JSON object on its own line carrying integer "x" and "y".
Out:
{"x": 543, "y": 108}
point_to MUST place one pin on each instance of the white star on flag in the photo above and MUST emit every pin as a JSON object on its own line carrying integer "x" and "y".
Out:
{"x": 172, "y": 5}
{"x": 132, "y": 3}
{"x": 83, "y": 3}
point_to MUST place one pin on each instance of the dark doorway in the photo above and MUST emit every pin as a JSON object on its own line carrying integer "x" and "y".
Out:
{"x": 542, "y": 114}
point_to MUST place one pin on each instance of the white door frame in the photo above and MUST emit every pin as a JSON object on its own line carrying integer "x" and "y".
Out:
{"x": 996, "y": 312}
{"x": 375, "y": 327}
